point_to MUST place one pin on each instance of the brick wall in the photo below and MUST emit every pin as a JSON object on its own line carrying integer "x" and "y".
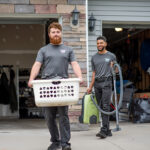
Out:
{"x": 72, "y": 35}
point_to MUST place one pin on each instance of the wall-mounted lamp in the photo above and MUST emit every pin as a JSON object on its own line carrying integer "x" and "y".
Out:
{"x": 75, "y": 16}
{"x": 92, "y": 22}
{"x": 118, "y": 29}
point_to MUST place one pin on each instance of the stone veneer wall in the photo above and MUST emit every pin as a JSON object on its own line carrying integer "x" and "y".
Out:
{"x": 72, "y": 35}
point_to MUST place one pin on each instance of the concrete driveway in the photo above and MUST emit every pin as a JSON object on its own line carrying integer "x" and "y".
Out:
{"x": 34, "y": 135}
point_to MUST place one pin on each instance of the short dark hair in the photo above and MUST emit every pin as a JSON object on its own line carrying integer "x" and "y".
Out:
{"x": 102, "y": 38}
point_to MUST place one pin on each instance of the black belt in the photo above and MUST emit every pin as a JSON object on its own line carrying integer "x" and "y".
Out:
{"x": 101, "y": 79}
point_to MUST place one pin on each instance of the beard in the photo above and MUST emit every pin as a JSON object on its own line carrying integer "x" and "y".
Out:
{"x": 55, "y": 40}
{"x": 101, "y": 49}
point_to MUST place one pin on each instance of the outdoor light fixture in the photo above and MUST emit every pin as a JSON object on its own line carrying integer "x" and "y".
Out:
{"x": 118, "y": 29}
{"x": 92, "y": 22}
{"x": 75, "y": 16}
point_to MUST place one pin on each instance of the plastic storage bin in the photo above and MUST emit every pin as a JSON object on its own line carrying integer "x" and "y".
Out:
{"x": 56, "y": 92}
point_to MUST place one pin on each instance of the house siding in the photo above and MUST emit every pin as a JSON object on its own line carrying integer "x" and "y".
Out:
{"x": 74, "y": 36}
{"x": 37, "y": 12}
{"x": 115, "y": 10}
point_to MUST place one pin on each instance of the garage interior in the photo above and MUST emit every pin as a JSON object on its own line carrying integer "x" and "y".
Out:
{"x": 20, "y": 41}
{"x": 127, "y": 45}
{"x": 131, "y": 45}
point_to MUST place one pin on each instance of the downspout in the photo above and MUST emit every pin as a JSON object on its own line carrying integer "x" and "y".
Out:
{"x": 87, "y": 44}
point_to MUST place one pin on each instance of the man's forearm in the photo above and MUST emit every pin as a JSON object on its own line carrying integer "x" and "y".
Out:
{"x": 93, "y": 80}
{"x": 76, "y": 69}
{"x": 89, "y": 90}
{"x": 35, "y": 71}
{"x": 34, "y": 74}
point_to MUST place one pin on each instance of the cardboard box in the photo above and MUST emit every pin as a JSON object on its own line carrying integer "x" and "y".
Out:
{"x": 142, "y": 95}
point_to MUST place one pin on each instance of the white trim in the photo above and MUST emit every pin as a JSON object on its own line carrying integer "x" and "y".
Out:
{"x": 87, "y": 44}
{"x": 127, "y": 22}
{"x": 26, "y": 18}
{"x": 101, "y": 27}
{"x": 126, "y": 25}
{"x": 60, "y": 20}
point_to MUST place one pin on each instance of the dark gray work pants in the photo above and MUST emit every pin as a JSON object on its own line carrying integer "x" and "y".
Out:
{"x": 64, "y": 125}
{"x": 103, "y": 91}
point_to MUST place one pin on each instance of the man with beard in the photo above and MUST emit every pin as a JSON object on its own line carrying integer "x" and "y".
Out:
{"x": 54, "y": 59}
{"x": 102, "y": 62}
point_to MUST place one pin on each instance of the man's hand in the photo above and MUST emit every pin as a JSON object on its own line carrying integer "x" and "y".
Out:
{"x": 112, "y": 64}
{"x": 81, "y": 81}
{"x": 34, "y": 72}
{"x": 30, "y": 84}
{"x": 89, "y": 90}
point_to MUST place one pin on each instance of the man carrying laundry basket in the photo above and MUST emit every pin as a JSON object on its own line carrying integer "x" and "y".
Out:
{"x": 54, "y": 59}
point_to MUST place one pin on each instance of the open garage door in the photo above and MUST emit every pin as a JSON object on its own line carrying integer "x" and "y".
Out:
{"x": 21, "y": 36}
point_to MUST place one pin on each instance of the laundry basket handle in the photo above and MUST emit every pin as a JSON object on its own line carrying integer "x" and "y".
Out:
{"x": 56, "y": 82}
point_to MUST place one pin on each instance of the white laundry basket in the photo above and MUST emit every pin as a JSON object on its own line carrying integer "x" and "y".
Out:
{"x": 56, "y": 92}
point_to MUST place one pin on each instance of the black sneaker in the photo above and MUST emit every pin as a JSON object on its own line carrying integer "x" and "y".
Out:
{"x": 109, "y": 133}
{"x": 101, "y": 134}
{"x": 67, "y": 147}
{"x": 54, "y": 146}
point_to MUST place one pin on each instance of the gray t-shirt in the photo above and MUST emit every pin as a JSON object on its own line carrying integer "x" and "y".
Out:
{"x": 101, "y": 64}
{"x": 55, "y": 60}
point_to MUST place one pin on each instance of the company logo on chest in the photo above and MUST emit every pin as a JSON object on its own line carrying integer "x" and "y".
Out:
{"x": 63, "y": 51}
{"x": 107, "y": 59}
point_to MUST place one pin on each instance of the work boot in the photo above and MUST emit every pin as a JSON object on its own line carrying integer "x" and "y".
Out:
{"x": 101, "y": 134}
{"x": 66, "y": 147}
{"x": 109, "y": 133}
{"x": 98, "y": 134}
{"x": 54, "y": 146}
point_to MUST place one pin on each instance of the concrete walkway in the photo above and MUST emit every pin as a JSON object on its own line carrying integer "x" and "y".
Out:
{"x": 34, "y": 135}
